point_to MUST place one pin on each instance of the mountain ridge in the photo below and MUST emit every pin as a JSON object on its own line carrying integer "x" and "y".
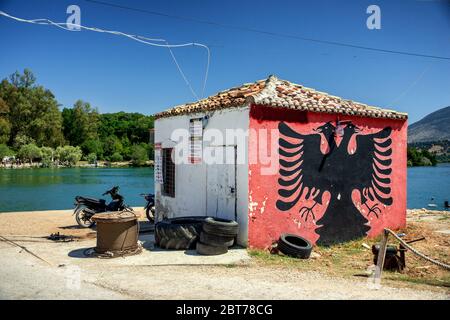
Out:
{"x": 433, "y": 127}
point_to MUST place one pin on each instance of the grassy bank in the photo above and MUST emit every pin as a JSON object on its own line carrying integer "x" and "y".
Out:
{"x": 352, "y": 259}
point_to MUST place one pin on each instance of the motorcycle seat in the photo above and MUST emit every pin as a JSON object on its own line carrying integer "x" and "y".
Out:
{"x": 90, "y": 200}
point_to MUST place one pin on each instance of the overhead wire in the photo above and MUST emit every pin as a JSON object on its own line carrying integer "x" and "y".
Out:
{"x": 145, "y": 40}
{"x": 412, "y": 84}
{"x": 270, "y": 33}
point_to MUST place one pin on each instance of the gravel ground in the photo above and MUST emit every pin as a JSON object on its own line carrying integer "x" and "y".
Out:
{"x": 23, "y": 276}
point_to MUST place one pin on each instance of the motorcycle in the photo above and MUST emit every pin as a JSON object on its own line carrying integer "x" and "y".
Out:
{"x": 86, "y": 208}
{"x": 150, "y": 206}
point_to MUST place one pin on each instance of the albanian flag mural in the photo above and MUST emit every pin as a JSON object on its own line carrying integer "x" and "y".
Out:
{"x": 306, "y": 171}
{"x": 335, "y": 179}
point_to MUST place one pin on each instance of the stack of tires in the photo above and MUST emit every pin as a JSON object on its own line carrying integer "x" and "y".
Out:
{"x": 217, "y": 236}
{"x": 178, "y": 233}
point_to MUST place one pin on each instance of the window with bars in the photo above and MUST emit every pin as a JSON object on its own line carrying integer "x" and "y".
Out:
{"x": 168, "y": 172}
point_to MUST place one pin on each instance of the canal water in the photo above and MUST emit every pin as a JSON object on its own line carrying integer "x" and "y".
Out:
{"x": 56, "y": 188}
{"x": 52, "y": 189}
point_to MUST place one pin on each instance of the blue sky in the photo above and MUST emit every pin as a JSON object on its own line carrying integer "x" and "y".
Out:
{"x": 114, "y": 73}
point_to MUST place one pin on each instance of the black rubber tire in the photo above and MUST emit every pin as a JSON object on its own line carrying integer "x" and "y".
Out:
{"x": 294, "y": 246}
{"x": 215, "y": 240}
{"x": 207, "y": 250}
{"x": 79, "y": 217}
{"x": 221, "y": 227}
{"x": 178, "y": 233}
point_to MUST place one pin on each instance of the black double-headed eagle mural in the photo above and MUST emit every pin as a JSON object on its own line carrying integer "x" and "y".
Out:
{"x": 306, "y": 173}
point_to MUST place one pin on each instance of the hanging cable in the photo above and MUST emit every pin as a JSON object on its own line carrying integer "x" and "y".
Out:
{"x": 138, "y": 38}
{"x": 412, "y": 84}
{"x": 268, "y": 33}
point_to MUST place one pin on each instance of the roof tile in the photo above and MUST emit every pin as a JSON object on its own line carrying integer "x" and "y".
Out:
{"x": 281, "y": 93}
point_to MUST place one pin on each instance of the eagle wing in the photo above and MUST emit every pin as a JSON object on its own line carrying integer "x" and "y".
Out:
{"x": 370, "y": 166}
{"x": 300, "y": 167}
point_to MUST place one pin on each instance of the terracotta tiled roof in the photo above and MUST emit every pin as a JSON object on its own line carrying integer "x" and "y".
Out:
{"x": 282, "y": 94}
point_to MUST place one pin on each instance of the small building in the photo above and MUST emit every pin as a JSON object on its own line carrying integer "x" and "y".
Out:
{"x": 279, "y": 157}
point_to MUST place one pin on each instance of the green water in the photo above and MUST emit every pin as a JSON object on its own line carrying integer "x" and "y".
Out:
{"x": 49, "y": 189}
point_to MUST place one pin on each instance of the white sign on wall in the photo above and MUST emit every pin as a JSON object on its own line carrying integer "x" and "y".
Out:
{"x": 195, "y": 140}
{"x": 158, "y": 164}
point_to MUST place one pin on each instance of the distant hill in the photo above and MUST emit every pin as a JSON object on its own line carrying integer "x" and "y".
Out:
{"x": 434, "y": 127}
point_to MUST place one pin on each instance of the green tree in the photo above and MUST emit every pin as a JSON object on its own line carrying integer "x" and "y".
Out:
{"x": 48, "y": 155}
{"x": 91, "y": 158}
{"x": 5, "y": 130}
{"x": 80, "y": 123}
{"x": 116, "y": 157}
{"x": 31, "y": 110}
{"x": 112, "y": 145}
{"x": 139, "y": 154}
{"x": 5, "y": 151}
{"x": 29, "y": 152}
{"x": 93, "y": 146}
{"x": 418, "y": 157}
{"x": 25, "y": 80}
{"x": 69, "y": 155}
{"x": 21, "y": 140}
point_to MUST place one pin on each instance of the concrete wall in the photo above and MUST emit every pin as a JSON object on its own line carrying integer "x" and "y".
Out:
{"x": 341, "y": 211}
{"x": 191, "y": 179}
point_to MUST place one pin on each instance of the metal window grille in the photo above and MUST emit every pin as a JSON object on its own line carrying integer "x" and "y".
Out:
{"x": 168, "y": 173}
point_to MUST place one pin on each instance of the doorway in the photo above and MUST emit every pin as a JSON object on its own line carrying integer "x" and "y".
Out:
{"x": 221, "y": 190}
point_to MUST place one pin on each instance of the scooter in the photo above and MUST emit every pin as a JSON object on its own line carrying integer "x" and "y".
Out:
{"x": 150, "y": 206}
{"x": 86, "y": 208}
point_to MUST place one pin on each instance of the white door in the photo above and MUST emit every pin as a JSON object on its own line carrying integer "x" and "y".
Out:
{"x": 221, "y": 185}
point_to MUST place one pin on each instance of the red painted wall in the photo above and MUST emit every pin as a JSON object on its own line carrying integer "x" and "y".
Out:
{"x": 267, "y": 222}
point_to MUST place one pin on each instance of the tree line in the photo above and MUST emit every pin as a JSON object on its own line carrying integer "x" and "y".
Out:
{"x": 33, "y": 128}
{"x": 420, "y": 157}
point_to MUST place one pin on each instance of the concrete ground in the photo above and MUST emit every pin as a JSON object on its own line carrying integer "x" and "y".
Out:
{"x": 63, "y": 271}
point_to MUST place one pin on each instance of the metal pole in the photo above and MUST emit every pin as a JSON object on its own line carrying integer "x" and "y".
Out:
{"x": 381, "y": 255}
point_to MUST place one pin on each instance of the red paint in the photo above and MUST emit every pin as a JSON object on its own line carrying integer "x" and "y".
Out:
{"x": 267, "y": 223}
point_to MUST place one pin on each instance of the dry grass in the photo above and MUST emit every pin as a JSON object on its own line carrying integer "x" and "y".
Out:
{"x": 353, "y": 259}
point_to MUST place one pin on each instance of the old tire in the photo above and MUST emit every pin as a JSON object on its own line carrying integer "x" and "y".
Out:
{"x": 178, "y": 233}
{"x": 216, "y": 240}
{"x": 221, "y": 227}
{"x": 207, "y": 250}
{"x": 294, "y": 246}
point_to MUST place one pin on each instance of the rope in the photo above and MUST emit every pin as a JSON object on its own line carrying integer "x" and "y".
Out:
{"x": 2, "y": 238}
{"x": 90, "y": 252}
{"x": 406, "y": 245}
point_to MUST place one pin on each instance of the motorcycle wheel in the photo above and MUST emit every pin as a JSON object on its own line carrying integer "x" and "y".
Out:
{"x": 82, "y": 220}
{"x": 150, "y": 213}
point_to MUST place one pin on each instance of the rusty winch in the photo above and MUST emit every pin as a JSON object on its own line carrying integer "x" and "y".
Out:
{"x": 395, "y": 256}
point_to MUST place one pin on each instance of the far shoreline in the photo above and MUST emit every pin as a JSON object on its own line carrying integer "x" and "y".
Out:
{"x": 80, "y": 164}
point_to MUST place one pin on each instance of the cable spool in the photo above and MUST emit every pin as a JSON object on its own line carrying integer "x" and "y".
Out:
{"x": 117, "y": 233}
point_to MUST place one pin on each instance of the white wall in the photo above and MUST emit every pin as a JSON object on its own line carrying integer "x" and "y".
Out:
{"x": 190, "y": 179}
